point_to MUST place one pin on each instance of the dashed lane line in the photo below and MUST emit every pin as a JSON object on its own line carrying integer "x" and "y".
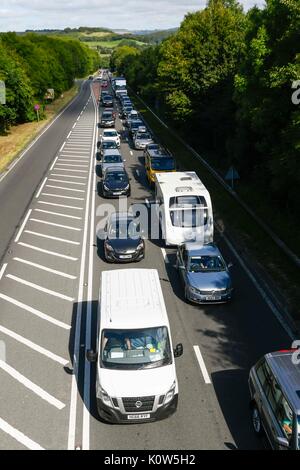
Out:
{"x": 59, "y": 214}
{"x": 39, "y": 288}
{"x": 60, "y": 205}
{"x": 31, "y": 385}
{"x": 202, "y": 364}
{"x": 63, "y": 197}
{"x": 65, "y": 189}
{"x": 49, "y": 237}
{"x": 69, "y": 176}
{"x": 2, "y": 271}
{"x": 19, "y": 436}
{"x": 52, "y": 253}
{"x": 55, "y": 225}
{"x": 23, "y": 226}
{"x": 41, "y": 188}
{"x": 68, "y": 182}
{"x": 35, "y": 312}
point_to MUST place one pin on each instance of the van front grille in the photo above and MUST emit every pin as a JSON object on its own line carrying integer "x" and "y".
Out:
{"x": 138, "y": 404}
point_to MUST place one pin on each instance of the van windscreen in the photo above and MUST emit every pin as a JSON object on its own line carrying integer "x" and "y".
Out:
{"x": 135, "y": 349}
{"x": 188, "y": 211}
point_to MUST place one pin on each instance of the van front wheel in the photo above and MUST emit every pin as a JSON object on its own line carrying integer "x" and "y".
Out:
{"x": 256, "y": 421}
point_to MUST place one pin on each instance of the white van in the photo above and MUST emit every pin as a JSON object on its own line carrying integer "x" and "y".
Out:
{"x": 136, "y": 377}
{"x": 183, "y": 207}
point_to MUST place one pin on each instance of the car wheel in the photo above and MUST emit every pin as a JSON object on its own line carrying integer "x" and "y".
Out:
{"x": 186, "y": 296}
{"x": 256, "y": 421}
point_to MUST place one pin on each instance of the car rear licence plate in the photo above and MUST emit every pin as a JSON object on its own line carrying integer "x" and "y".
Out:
{"x": 213, "y": 297}
{"x": 141, "y": 416}
{"x": 125, "y": 256}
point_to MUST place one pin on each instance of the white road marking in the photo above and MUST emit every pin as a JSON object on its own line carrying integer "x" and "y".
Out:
{"x": 164, "y": 253}
{"x": 62, "y": 147}
{"x": 3, "y": 270}
{"x": 53, "y": 164}
{"x": 56, "y": 225}
{"x": 63, "y": 197}
{"x": 22, "y": 226}
{"x": 67, "y": 182}
{"x": 131, "y": 152}
{"x": 71, "y": 165}
{"x": 19, "y": 436}
{"x": 74, "y": 159}
{"x": 58, "y": 214}
{"x": 202, "y": 365}
{"x": 35, "y": 312}
{"x": 69, "y": 134}
{"x": 41, "y": 188}
{"x": 69, "y": 176}
{"x": 61, "y": 205}
{"x": 75, "y": 171}
{"x": 138, "y": 173}
{"x": 65, "y": 189}
{"x": 44, "y": 268}
{"x": 42, "y": 235}
{"x": 74, "y": 125}
{"x": 31, "y": 386}
{"x": 39, "y": 288}
{"x": 76, "y": 352}
{"x": 52, "y": 253}
{"x": 33, "y": 346}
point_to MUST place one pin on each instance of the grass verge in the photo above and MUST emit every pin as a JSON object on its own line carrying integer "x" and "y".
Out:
{"x": 21, "y": 135}
{"x": 264, "y": 256}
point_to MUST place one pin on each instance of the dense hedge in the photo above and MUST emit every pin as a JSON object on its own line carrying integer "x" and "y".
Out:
{"x": 225, "y": 80}
{"x": 31, "y": 64}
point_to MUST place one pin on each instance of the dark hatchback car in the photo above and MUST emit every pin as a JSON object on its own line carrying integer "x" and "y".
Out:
{"x": 115, "y": 183}
{"x": 107, "y": 119}
{"x": 123, "y": 241}
{"x": 107, "y": 101}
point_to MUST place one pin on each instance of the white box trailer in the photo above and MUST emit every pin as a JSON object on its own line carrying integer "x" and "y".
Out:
{"x": 183, "y": 207}
{"x": 136, "y": 377}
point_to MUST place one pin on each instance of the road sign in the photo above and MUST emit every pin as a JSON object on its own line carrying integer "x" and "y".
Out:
{"x": 231, "y": 175}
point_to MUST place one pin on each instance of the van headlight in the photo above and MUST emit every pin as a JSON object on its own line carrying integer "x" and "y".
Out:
{"x": 170, "y": 394}
{"x": 193, "y": 290}
{"x": 102, "y": 395}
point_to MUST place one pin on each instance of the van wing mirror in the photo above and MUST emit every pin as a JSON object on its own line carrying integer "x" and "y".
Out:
{"x": 91, "y": 355}
{"x": 178, "y": 351}
{"x": 282, "y": 441}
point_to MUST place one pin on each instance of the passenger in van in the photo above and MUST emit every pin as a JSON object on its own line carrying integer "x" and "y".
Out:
{"x": 113, "y": 340}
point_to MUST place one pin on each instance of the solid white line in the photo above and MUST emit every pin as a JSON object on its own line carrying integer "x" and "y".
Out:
{"x": 53, "y": 253}
{"x": 76, "y": 352}
{"x": 164, "y": 253}
{"x": 19, "y": 436}
{"x": 70, "y": 176}
{"x": 62, "y": 147}
{"x": 63, "y": 197}
{"x": 56, "y": 225}
{"x": 31, "y": 386}
{"x": 68, "y": 182}
{"x": 88, "y": 327}
{"x": 58, "y": 214}
{"x": 131, "y": 152}
{"x": 69, "y": 134}
{"x": 44, "y": 268}
{"x": 33, "y": 346}
{"x": 61, "y": 205}
{"x": 39, "y": 288}
{"x": 74, "y": 125}
{"x": 52, "y": 238}
{"x": 22, "y": 226}
{"x": 202, "y": 365}
{"x": 262, "y": 292}
{"x": 65, "y": 189}
{"x": 41, "y": 188}
{"x": 36, "y": 139}
{"x": 3, "y": 270}
{"x": 53, "y": 164}
{"x": 35, "y": 312}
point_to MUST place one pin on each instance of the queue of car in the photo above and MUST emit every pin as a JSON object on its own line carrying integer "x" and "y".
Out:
{"x": 183, "y": 203}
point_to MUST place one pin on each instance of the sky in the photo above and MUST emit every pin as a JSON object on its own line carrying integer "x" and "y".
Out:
{"x": 19, "y": 15}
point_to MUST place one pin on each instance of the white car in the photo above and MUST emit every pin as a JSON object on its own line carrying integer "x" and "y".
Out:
{"x": 111, "y": 134}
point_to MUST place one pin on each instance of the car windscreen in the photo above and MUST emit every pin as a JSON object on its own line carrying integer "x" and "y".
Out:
{"x": 136, "y": 124}
{"x": 188, "y": 211}
{"x": 162, "y": 163}
{"x": 109, "y": 144}
{"x": 124, "y": 229}
{"x": 204, "y": 264}
{"x": 107, "y": 116}
{"x": 116, "y": 176}
{"x": 145, "y": 348}
{"x": 110, "y": 134}
{"x": 112, "y": 159}
{"x": 143, "y": 135}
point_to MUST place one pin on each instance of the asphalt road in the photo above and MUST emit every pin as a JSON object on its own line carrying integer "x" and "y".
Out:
{"x": 49, "y": 282}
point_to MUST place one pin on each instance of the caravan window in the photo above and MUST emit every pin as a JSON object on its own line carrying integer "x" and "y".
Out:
{"x": 188, "y": 211}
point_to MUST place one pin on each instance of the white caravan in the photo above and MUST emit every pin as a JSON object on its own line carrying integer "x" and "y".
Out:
{"x": 184, "y": 208}
{"x": 136, "y": 377}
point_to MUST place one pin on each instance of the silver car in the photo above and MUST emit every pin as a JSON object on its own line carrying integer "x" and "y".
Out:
{"x": 141, "y": 139}
{"x": 111, "y": 158}
{"x": 204, "y": 273}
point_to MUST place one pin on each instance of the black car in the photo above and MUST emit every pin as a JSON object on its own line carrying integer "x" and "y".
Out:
{"x": 107, "y": 145}
{"x": 107, "y": 101}
{"x": 107, "y": 119}
{"x": 115, "y": 183}
{"x": 123, "y": 241}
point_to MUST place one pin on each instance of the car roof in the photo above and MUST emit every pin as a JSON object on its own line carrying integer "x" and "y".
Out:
{"x": 115, "y": 169}
{"x": 121, "y": 216}
{"x": 109, "y": 141}
{"x": 198, "y": 249}
{"x": 287, "y": 374}
{"x": 111, "y": 152}
{"x": 109, "y": 130}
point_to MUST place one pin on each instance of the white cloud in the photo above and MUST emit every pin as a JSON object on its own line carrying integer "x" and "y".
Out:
{"x": 129, "y": 14}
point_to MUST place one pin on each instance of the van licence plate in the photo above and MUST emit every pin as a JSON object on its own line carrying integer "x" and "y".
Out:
{"x": 141, "y": 416}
